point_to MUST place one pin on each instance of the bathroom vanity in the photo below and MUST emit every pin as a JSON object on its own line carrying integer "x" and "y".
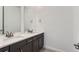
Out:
{"x": 32, "y": 42}
{"x": 21, "y": 41}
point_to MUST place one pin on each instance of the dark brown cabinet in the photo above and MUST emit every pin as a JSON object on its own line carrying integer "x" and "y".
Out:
{"x": 5, "y": 49}
{"x": 40, "y": 43}
{"x": 23, "y": 46}
{"x": 27, "y": 48}
{"x": 33, "y": 44}
{"x": 16, "y": 47}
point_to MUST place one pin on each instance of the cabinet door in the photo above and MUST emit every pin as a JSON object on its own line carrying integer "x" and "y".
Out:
{"x": 35, "y": 45}
{"x": 40, "y": 42}
{"x": 27, "y": 47}
{"x": 16, "y": 47}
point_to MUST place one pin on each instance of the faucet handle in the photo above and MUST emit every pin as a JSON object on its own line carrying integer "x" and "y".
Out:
{"x": 11, "y": 34}
{"x": 7, "y": 34}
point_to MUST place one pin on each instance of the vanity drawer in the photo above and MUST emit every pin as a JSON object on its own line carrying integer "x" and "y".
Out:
{"x": 16, "y": 47}
{"x": 29, "y": 40}
{"x": 38, "y": 36}
{"x": 27, "y": 47}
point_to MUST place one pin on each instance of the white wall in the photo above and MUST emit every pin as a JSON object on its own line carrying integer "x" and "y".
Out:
{"x": 12, "y": 18}
{"x": 76, "y": 25}
{"x": 31, "y": 14}
{"x": 61, "y": 24}
{"x": 57, "y": 23}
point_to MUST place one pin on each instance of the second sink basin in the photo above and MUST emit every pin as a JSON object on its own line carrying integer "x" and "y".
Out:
{"x": 17, "y": 37}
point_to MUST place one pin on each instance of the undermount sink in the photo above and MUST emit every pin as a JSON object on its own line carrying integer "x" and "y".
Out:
{"x": 17, "y": 37}
{"x": 10, "y": 38}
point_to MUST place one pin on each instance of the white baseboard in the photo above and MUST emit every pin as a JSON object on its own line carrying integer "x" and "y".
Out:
{"x": 53, "y": 49}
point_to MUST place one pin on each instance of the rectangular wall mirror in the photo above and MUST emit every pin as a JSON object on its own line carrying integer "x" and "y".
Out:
{"x": 1, "y": 20}
{"x": 10, "y": 19}
{"x": 14, "y": 19}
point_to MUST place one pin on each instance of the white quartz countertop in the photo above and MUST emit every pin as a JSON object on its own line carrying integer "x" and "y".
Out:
{"x": 4, "y": 41}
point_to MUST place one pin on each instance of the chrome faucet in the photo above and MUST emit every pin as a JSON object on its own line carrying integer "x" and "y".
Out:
{"x": 30, "y": 30}
{"x": 9, "y": 34}
{"x": 76, "y": 46}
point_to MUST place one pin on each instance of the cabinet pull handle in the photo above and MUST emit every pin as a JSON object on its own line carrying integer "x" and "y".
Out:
{"x": 20, "y": 50}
